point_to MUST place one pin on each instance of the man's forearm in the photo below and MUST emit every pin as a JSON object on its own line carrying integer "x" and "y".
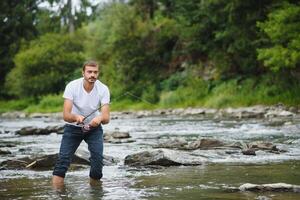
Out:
{"x": 69, "y": 117}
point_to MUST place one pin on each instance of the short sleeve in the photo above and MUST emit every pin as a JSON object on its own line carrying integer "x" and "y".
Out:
{"x": 68, "y": 94}
{"x": 106, "y": 97}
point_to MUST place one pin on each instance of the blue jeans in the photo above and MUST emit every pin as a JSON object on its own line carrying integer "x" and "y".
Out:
{"x": 71, "y": 139}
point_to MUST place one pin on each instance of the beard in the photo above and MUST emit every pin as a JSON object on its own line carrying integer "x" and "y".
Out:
{"x": 91, "y": 79}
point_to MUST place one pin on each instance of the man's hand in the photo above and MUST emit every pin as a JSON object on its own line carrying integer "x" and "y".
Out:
{"x": 79, "y": 119}
{"x": 96, "y": 121}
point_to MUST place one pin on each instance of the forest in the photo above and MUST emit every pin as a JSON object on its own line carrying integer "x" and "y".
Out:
{"x": 163, "y": 53}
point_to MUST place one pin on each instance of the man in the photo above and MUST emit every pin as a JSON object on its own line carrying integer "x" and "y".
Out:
{"x": 83, "y": 98}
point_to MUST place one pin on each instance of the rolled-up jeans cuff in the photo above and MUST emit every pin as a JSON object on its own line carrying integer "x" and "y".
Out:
{"x": 59, "y": 174}
{"x": 96, "y": 177}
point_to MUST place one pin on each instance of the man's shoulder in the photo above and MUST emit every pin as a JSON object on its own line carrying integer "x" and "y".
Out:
{"x": 75, "y": 82}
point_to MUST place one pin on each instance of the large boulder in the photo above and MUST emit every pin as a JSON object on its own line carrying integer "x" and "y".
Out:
{"x": 47, "y": 162}
{"x": 276, "y": 187}
{"x": 32, "y": 130}
{"x": 4, "y": 152}
{"x": 163, "y": 157}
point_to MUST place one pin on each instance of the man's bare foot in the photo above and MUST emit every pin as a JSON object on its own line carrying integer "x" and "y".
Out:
{"x": 58, "y": 182}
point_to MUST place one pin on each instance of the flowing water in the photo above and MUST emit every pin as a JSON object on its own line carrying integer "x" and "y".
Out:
{"x": 217, "y": 179}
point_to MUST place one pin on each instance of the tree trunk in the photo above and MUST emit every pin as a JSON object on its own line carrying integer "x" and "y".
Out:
{"x": 70, "y": 17}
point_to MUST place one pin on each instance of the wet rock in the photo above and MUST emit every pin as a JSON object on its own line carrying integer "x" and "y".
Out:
{"x": 15, "y": 164}
{"x": 119, "y": 141}
{"x": 7, "y": 144}
{"x": 117, "y": 137}
{"x": 260, "y": 145}
{"x": 31, "y": 130}
{"x": 293, "y": 109}
{"x": 182, "y": 144}
{"x": 249, "y": 152}
{"x": 193, "y": 111}
{"x": 275, "y": 187}
{"x": 288, "y": 123}
{"x": 4, "y": 152}
{"x": 13, "y": 115}
{"x": 4, "y": 131}
{"x": 279, "y": 113}
{"x": 163, "y": 157}
{"x": 47, "y": 162}
{"x": 192, "y": 145}
{"x": 210, "y": 143}
{"x": 176, "y": 143}
{"x": 120, "y": 135}
{"x": 232, "y": 152}
{"x": 244, "y": 112}
{"x": 57, "y": 116}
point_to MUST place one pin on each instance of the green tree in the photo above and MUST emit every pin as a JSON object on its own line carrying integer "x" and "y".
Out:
{"x": 17, "y": 20}
{"x": 45, "y": 65}
{"x": 282, "y": 50}
{"x": 135, "y": 53}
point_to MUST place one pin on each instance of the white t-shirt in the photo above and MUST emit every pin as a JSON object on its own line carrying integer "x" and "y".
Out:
{"x": 85, "y": 103}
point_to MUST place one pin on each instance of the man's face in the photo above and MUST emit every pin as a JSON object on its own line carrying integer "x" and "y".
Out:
{"x": 90, "y": 74}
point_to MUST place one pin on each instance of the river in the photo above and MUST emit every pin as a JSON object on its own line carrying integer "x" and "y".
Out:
{"x": 217, "y": 179}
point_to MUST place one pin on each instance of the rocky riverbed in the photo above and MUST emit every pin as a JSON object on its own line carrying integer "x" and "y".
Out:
{"x": 191, "y": 151}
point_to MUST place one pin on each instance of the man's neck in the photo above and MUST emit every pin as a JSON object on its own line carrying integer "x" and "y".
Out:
{"x": 88, "y": 86}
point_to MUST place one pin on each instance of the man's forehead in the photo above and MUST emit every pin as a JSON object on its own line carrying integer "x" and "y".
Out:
{"x": 93, "y": 68}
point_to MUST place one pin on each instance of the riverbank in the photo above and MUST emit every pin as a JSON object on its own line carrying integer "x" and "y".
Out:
{"x": 258, "y": 111}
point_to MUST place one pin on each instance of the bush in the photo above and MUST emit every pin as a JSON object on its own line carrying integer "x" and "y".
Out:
{"x": 283, "y": 47}
{"x": 45, "y": 65}
{"x": 48, "y": 103}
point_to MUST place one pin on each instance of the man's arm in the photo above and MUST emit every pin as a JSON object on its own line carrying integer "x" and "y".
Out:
{"x": 68, "y": 116}
{"x": 103, "y": 118}
{"x": 105, "y": 114}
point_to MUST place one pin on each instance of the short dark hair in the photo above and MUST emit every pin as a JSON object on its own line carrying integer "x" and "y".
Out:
{"x": 90, "y": 63}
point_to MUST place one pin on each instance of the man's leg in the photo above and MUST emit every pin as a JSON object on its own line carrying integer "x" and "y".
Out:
{"x": 94, "y": 139}
{"x": 71, "y": 139}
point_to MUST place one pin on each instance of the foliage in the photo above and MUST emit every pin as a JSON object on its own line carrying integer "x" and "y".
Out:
{"x": 48, "y": 103}
{"x": 15, "y": 105}
{"x": 16, "y": 24}
{"x": 283, "y": 31}
{"x": 134, "y": 53}
{"x": 172, "y": 53}
{"x": 45, "y": 65}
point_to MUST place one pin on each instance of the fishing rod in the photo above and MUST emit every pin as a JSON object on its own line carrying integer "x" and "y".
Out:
{"x": 126, "y": 93}
{"x": 86, "y": 127}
